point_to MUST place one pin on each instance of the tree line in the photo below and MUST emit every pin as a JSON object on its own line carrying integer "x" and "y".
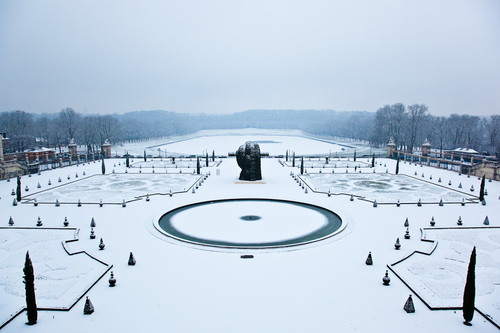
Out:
{"x": 26, "y": 130}
{"x": 409, "y": 126}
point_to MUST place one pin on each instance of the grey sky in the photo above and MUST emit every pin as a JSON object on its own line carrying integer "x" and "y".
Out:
{"x": 230, "y": 56}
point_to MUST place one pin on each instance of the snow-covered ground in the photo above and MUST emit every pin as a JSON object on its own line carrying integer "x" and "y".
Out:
{"x": 222, "y": 142}
{"x": 183, "y": 288}
{"x": 113, "y": 188}
{"x": 387, "y": 188}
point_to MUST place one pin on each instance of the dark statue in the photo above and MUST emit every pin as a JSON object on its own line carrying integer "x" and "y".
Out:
{"x": 248, "y": 158}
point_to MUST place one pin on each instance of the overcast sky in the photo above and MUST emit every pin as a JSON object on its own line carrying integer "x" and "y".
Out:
{"x": 230, "y": 56}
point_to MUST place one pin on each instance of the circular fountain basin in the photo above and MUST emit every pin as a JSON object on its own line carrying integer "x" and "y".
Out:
{"x": 250, "y": 223}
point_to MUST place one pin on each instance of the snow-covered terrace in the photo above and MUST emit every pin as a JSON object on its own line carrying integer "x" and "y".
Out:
{"x": 179, "y": 287}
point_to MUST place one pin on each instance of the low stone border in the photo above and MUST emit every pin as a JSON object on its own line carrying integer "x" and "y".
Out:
{"x": 63, "y": 243}
{"x": 433, "y": 248}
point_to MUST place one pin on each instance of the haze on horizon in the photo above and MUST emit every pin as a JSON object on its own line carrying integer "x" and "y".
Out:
{"x": 229, "y": 56}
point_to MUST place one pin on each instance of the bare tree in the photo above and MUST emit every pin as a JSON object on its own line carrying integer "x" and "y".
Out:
{"x": 492, "y": 126}
{"x": 442, "y": 131}
{"x": 69, "y": 119}
{"x": 107, "y": 128}
{"x": 472, "y": 130}
{"x": 43, "y": 130}
{"x": 457, "y": 129}
{"x": 416, "y": 113}
{"x": 19, "y": 127}
{"x": 89, "y": 132}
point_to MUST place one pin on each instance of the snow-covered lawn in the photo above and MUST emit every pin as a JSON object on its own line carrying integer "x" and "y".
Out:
{"x": 114, "y": 188}
{"x": 60, "y": 279}
{"x": 178, "y": 287}
{"x": 387, "y": 188}
{"x": 439, "y": 278}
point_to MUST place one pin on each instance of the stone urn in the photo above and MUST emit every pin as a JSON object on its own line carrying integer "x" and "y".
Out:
{"x": 112, "y": 280}
{"x": 433, "y": 223}
{"x": 386, "y": 279}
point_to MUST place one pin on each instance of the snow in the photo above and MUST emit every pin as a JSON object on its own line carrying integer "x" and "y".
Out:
{"x": 221, "y": 142}
{"x": 181, "y": 288}
{"x": 386, "y": 188}
{"x": 113, "y": 188}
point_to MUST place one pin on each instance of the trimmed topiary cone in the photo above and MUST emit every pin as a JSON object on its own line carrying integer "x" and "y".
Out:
{"x": 409, "y": 306}
{"x": 470, "y": 290}
{"x": 369, "y": 260}
{"x": 89, "y": 307}
{"x": 485, "y": 222}
{"x": 131, "y": 260}
{"x": 92, "y": 223}
{"x": 31, "y": 309}
{"x": 407, "y": 224}
{"x": 397, "y": 245}
{"x": 11, "y": 220}
{"x": 101, "y": 245}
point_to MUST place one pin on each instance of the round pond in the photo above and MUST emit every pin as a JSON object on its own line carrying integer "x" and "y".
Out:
{"x": 250, "y": 223}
